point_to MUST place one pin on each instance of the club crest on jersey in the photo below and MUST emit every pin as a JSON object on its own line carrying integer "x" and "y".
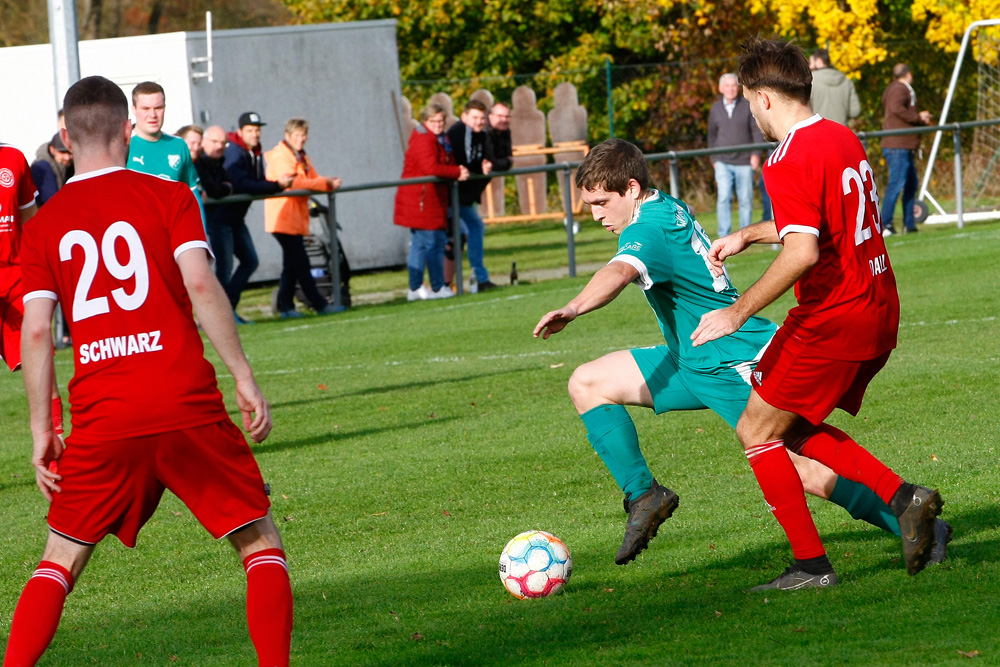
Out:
{"x": 6, "y": 178}
{"x": 174, "y": 161}
{"x": 632, "y": 246}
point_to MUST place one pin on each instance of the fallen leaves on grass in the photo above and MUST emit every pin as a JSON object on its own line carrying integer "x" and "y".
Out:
{"x": 969, "y": 654}
{"x": 322, "y": 387}
{"x": 556, "y": 365}
{"x": 935, "y": 458}
{"x": 380, "y": 513}
{"x": 395, "y": 616}
{"x": 416, "y": 636}
{"x": 718, "y": 614}
{"x": 446, "y": 512}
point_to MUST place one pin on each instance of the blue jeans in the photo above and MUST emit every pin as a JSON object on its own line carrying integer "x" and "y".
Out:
{"x": 727, "y": 176}
{"x": 765, "y": 199}
{"x": 902, "y": 180}
{"x": 226, "y": 241}
{"x": 426, "y": 249}
{"x": 474, "y": 228}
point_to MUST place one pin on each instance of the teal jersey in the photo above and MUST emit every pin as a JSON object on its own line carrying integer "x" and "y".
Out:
{"x": 169, "y": 158}
{"x": 669, "y": 249}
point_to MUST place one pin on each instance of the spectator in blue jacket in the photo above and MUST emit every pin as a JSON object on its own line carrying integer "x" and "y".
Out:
{"x": 53, "y": 166}
{"x": 243, "y": 163}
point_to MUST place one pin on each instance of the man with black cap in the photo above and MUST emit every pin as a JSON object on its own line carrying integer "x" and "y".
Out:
{"x": 227, "y": 231}
{"x": 53, "y": 166}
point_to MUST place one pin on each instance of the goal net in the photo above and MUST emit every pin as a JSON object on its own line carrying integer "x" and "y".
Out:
{"x": 981, "y": 190}
{"x": 980, "y": 160}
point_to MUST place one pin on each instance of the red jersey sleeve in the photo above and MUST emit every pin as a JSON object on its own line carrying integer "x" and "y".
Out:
{"x": 796, "y": 209}
{"x": 185, "y": 228}
{"x": 37, "y": 277}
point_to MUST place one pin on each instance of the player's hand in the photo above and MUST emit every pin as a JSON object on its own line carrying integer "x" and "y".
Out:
{"x": 723, "y": 248}
{"x": 255, "y": 409}
{"x": 716, "y": 324}
{"x": 47, "y": 448}
{"x": 554, "y": 322}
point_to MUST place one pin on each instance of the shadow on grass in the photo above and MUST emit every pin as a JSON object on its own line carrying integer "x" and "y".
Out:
{"x": 331, "y": 437}
{"x": 650, "y": 612}
{"x": 389, "y": 388}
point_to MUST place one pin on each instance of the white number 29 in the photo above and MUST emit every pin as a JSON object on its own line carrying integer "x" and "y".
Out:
{"x": 851, "y": 177}
{"x": 83, "y": 305}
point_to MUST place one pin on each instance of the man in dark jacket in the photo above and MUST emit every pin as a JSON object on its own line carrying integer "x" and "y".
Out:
{"x": 53, "y": 166}
{"x": 473, "y": 149}
{"x": 243, "y": 163}
{"x": 499, "y": 134}
{"x": 730, "y": 123}
{"x": 899, "y": 151}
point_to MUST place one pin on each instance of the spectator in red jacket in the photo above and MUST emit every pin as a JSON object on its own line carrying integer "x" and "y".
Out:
{"x": 424, "y": 207}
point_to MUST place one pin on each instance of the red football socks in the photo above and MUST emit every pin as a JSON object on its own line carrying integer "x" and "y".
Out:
{"x": 837, "y": 451}
{"x": 783, "y": 493}
{"x": 37, "y": 614}
{"x": 269, "y": 606}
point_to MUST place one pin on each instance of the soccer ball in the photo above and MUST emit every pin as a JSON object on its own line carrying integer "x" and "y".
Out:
{"x": 535, "y": 564}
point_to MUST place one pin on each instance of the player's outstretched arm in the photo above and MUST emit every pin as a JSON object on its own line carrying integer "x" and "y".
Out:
{"x": 799, "y": 254}
{"x": 215, "y": 315}
{"x": 38, "y": 369}
{"x": 602, "y": 289}
{"x": 738, "y": 241}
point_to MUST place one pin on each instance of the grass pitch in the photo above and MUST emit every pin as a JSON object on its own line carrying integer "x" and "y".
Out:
{"x": 411, "y": 441}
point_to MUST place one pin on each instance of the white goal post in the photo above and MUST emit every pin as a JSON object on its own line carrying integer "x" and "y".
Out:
{"x": 923, "y": 195}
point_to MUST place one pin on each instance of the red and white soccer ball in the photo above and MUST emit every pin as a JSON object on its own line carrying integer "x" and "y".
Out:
{"x": 535, "y": 564}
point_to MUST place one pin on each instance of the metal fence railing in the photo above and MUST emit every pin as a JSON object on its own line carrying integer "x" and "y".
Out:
{"x": 566, "y": 170}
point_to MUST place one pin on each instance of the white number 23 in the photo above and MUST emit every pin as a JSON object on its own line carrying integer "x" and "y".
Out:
{"x": 84, "y": 305}
{"x": 852, "y": 177}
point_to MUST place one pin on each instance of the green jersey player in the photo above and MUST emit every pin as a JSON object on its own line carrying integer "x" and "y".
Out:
{"x": 663, "y": 250}
{"x": 150, "y": 150}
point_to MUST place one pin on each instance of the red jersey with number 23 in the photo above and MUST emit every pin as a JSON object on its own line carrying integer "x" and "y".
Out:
{"x": 821, "y": 183}
{"x": 105, "y": 246}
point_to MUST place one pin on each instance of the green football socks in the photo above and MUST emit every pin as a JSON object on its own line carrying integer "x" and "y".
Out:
{"x": 613, "y": 436}
{"x": 862, "y": 503}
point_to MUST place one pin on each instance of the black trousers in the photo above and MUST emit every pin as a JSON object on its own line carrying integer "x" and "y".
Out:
{"x": 295, "y": 269}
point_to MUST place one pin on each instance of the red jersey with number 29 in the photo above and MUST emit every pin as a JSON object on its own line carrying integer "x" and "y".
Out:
{"x": 105, "y": 246}
{"x": 821, "y": 183}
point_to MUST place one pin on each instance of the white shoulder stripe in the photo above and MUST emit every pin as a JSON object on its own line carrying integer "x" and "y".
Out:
{"x": 798, "y": 228}
{"x": 40, "y": 294}
{"x": 643, "y": 281}
{"x": 182, "y": 248}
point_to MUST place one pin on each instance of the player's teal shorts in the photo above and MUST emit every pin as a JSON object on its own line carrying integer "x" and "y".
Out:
{"x": 724, "y": 391}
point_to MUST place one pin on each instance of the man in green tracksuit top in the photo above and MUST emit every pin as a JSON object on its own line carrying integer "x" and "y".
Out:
{"x": 663, "y": 250}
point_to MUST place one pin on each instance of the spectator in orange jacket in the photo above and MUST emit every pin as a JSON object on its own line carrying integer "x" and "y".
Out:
{"x": 424, "y": 207}
{"x": 287, "y": 218}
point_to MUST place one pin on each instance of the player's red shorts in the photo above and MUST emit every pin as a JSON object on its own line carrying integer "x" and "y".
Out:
{"x": 789, "y": 378}
{"x": 114, "y": 486}
{"x": 11, "y": 315}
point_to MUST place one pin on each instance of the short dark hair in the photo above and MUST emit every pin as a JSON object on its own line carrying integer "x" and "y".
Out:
{"x": 474, "y": 105}
{"x": 610, "y": 165}
{"x": 822, "y": 55}
{"x": 900, "y": 70}
{"x": 147, "y": 88}
{"x": 777, "y": 66}
{"x": 95, "y": 110}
